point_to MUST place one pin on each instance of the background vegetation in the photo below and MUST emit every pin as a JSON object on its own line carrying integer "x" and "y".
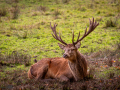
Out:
{"x": 25, "y": 35}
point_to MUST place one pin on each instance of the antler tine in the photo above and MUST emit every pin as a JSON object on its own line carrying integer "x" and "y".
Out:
{"x": 78, "y": 36}
{"x": 55, "y": 34}
{"x": 73, "y": 37}
{"x": 92, "y": 26}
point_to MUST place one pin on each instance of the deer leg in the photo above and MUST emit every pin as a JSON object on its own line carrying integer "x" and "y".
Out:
{"x": 62, "y": 78}
{"x": 42, "y": 72}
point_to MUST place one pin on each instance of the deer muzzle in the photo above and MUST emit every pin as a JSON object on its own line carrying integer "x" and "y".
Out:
{"x": 65, "y": 56}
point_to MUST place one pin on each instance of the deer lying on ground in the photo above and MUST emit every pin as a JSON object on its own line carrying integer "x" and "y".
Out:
{"x": 73, "y": 64}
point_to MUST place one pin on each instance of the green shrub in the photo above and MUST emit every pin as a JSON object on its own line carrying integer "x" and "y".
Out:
{"x": 57, "y": 12}
{"x": 65, "y": 1}
{"x": 41, "y": 8}
{"x": 99, "y": 19}
{"x": 3, "y": 12}
{"x": 111, "y": 23}
{"x": 11, "y": 1}
{"x": 14, "y": 11}
{"x": 109, "y": 14}
{"x": 22, "y": 35}
{"x": 83, "y": 9}
{"x": 15, "y": 58}
{"x": 118, "y": 8}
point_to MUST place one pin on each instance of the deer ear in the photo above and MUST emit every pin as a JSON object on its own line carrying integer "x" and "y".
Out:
{"x": 61, "y": 46}
{"x": 78, "y": 45}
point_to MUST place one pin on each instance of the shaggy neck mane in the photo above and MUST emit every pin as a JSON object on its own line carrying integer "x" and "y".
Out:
{"x": 77, "y": 67}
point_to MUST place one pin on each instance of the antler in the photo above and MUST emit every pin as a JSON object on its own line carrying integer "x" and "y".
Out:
{"x": 55, "y": 34}
{"x": 92, "y": 26}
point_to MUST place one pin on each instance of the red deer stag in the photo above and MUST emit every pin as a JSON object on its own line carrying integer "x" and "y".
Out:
{"x": 73, "y": 64}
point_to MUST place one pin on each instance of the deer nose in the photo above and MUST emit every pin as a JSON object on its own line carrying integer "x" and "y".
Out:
{"x": 65, "y": 56}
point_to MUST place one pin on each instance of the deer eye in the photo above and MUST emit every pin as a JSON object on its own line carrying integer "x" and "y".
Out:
{"x": 73, "y": 49}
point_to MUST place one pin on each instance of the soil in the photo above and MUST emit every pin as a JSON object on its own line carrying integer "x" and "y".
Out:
{"x": 94, "y": 84}
{"x": 18, "y": 80}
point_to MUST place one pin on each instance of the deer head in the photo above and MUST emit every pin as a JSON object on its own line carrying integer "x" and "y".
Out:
{"x": 71, "y": 49}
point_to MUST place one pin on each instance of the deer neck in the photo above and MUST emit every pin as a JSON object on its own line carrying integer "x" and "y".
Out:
{"x": 76, "y": 67}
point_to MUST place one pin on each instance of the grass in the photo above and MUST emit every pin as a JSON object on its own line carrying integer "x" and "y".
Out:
{"x": 27, "y": 31}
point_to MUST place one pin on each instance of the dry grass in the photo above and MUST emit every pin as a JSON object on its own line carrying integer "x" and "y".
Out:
{"x": 15, "y": 58}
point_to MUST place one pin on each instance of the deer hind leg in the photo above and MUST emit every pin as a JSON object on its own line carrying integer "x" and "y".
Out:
{"x": 42, "y": 72}
{"x": 62, "y": 78}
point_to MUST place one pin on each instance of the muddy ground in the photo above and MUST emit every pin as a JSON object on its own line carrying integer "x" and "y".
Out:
{"x": 107, "y": 63}
{"x": 91, "y": 84}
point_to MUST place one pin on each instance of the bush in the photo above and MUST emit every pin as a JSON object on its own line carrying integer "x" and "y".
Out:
{"x": 22, "y": 35}
{"x": 0, "y": 19}
{"x": 41, "y": 8}
{"x": 65, "y": 1}
{"x": 91, "y": 72}
{"x": 99, "y": 19}
{"x": 109, "y": 14}
{"x": 11, "y": 1}
{"x": 3, "y": 12}
{"x": 57, "y": 12}
{"x": 15, "y": 58}
{"x": 82, "y": 9}
{"x": 111, "y": 23}
{"x": 14, "y": 11}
